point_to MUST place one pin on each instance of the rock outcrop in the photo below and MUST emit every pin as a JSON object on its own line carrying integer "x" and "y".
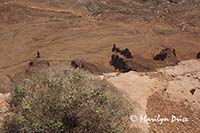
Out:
{"x": 120, "y": 59}
{"x": 125, "y": 52}
{"x": 176, "y": 88}
{"x": 119, "y": 63}
{"x": 91, "y": 67}
{"x": 165, "y": 54}
{"x": 123, "y": 61}
{"x": 174, "y": 85}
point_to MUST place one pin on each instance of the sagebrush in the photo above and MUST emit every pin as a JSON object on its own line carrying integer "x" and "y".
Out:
{"x": 58, "y": 100}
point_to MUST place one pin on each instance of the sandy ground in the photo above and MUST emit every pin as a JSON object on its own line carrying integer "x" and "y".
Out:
{"x": 65, "y": 30}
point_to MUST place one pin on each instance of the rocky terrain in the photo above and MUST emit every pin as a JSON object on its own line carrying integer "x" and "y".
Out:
{"x": 65, "y": 30}
{"x": 160, "y": 35}
{"x": 166, "y": 92}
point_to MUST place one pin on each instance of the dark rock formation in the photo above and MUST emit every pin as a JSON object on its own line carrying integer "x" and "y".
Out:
{"x": 160, "y": 57}
{"x": 119, "y": 63}
{"x": 91, "y": 67}
{"x": 38, "y": 54}
{"x": 126, "y": 65}
{"x": 123, "y": 61}
{"x": 192, "y": 91}
{"x": 126, "y": 52}
{"x": 115, "y": 49}
{"x": 198, "y": 55}
{"x": 164, "y": 54}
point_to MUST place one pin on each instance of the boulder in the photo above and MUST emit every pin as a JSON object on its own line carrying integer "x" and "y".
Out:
{"x": 165, "y": 54}
{"x": 126, "y": 53}
{"x": 119, "y": 63}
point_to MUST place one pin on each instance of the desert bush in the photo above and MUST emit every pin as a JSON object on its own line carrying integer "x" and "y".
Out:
{"x": 58, "y": 100}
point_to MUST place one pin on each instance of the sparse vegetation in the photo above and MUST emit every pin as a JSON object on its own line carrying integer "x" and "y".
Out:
{"x": 55, "y": 100}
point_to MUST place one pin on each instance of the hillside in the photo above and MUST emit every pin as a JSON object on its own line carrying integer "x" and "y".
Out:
{"x": 145, "y": 49}
{"x": 168, "y": 91}
{"x": 63, "y": 30}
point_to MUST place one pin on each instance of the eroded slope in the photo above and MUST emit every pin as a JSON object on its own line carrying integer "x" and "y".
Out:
{"x": 64, "y": 30}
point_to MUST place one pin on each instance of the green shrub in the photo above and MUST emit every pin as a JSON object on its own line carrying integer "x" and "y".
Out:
{"x": 55, "y": 100}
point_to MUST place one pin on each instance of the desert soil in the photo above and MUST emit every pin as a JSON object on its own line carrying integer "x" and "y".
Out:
{"x": 64, "y": 30}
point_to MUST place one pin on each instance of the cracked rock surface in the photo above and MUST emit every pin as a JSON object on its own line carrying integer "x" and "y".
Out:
{"x": 165, "y": 92}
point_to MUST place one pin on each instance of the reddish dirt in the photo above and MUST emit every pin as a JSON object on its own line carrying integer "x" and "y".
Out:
{"x": 157, "y": 105}
{"x": 65, "y": 30}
